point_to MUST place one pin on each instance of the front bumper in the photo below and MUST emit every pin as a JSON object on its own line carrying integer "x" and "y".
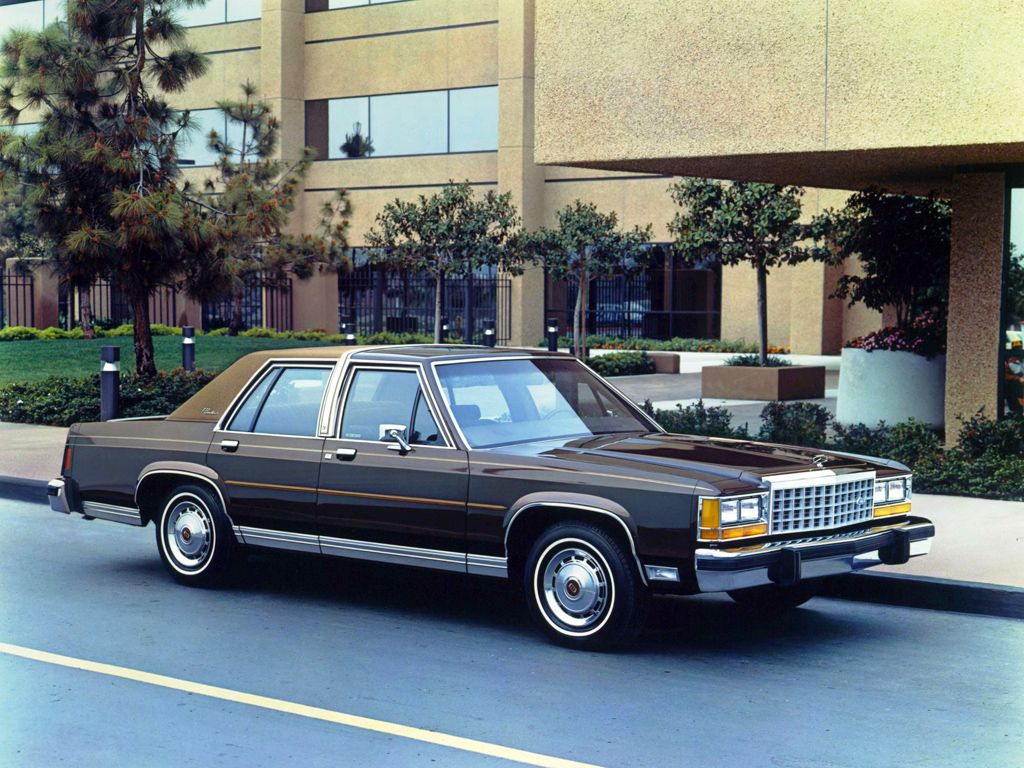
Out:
{"x": 786, "y": 563}
{"x": 56, "y": 492}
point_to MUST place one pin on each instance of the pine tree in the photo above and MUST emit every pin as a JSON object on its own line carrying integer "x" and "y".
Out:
{"x": 253, "y": 194}
{"x": 100, "y": 175}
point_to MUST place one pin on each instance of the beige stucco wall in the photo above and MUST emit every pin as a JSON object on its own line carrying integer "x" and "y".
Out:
{"x": 833, "y": 94}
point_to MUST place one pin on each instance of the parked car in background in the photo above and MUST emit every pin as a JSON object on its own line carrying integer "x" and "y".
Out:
{"x": 496, "y": 462}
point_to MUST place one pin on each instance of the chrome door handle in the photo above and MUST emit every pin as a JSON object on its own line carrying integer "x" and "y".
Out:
{"x": 345, "y": 454}
{"x": 230, "y": 446}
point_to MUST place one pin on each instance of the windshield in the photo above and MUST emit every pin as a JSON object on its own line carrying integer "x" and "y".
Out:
{"x": 500, "y": 402}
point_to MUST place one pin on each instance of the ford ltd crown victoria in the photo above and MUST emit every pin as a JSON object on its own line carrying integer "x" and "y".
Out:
{"x": 507, "y": 463}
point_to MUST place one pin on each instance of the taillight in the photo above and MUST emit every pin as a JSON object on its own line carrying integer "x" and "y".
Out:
{"x": 65, "y": 468}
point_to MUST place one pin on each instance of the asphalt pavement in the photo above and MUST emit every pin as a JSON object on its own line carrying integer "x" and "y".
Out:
{"x": 834, "y": 684}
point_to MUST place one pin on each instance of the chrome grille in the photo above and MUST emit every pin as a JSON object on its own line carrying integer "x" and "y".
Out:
{"x": 818, "y": 501}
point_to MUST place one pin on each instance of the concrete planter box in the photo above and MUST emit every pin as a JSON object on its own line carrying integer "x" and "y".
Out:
{"x": 890, "y": 387}
{"x": 740, "y": 382}
{"x": 664, "y": 362}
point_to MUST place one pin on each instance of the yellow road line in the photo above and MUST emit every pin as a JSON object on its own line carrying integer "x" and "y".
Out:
{"x": 302, "y": 710}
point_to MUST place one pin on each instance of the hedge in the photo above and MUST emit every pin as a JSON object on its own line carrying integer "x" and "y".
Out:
{"x": 987, "y": 460}
{"x": 622, "y": 364}
{"x": 665, "y": 345}
{"x": 22, "y": 333}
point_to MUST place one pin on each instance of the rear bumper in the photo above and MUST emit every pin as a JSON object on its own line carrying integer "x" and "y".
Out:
{"x": 56, "y": 492}
{"x": 786, "y": 563}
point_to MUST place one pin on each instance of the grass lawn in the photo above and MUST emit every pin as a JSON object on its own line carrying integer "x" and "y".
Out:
{"x": 23, "y": 361}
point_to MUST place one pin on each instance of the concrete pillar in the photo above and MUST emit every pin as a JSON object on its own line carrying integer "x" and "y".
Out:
{"x": 517, "y": 172}
{"x": 975, "y": 297}
{"x": 815, "y": 320}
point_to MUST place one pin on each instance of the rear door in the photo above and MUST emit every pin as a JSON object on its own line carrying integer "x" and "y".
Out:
{"x": 268, "y": 455}
{"x": 378, "y": 501}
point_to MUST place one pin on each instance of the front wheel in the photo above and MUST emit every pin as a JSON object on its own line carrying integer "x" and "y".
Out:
{"x": 583, "y": 589}
{"x": 194, "y": 536}
{"x": 771, "y": 599}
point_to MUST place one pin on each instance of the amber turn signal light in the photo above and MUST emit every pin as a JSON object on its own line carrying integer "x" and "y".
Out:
{"x": 891, "y": 510}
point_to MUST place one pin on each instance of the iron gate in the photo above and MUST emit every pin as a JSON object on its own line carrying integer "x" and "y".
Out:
{"x": 17, "y": 298}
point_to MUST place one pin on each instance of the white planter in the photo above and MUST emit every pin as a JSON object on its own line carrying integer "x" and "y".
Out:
{"x": 890, "y": 387}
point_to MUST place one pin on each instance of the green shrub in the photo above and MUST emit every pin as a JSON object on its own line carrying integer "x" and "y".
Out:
{"x": 753, "y": 361}
{"x": 910, "y": 442}
{"x": 980, "y": 435}
{"x": 696, "y": 419}
{"x": 660, "y": 345}
{"x": 217, "y": 332}
{"x": 263, "y": 333}
{"x": 60, "y": 401}
{"x": 622, "y": 364}
{"x": 794, "y": 424}
{"x": 18, "y": 333}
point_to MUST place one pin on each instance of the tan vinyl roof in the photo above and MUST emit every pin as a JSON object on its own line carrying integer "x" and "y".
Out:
{"x": 209, "y": 403}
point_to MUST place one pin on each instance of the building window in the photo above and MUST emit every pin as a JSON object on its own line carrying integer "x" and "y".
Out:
{"x": 312, "y": 6}
{"x": 666, "y": 300}
{"x": 193, "y": 149}
{"x": 1012, "y": 340}
{"x": 219, "y": 12}
{"x": 422, "y": 123}
{"x": 32, "y": 15}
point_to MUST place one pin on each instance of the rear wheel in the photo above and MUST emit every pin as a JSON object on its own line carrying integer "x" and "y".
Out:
{"x": 193, "y": 536}
{"x": 771, "y": 599}
{"x": 582, "y": 588}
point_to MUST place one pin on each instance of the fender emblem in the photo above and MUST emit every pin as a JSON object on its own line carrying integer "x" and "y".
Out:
{"x": 209, "y": 412}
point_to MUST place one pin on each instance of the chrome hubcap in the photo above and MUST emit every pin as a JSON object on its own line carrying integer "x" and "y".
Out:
{"x": 189, "y": 534}
{"x": 576, "y": 588}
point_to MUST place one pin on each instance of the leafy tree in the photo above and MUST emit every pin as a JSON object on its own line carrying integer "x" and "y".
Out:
{"x": 100, "y": 175}
{"x": 449, "y": 234}
{"x": 740, "y": 222}
{"x": 356, "y": 144}
{"x": 902, "y": 243}
{"x": 253, "y": 195}
{"x": 588, "y": 245}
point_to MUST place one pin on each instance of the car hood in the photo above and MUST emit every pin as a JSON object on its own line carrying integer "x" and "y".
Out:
{"x": 725, "y": 463}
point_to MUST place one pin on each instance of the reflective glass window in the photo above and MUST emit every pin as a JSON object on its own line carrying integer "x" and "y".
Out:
{"x": 293, "y": 404}
{"x": 473, "y": 119}
{"x": 242, "y": 10}
{"x": 192, "y": 144}
{"x": 342, "y": 116}
{"x": 211, "y": 12}
{"x": 409, "y": 123}
{"x": 21, "y": 16}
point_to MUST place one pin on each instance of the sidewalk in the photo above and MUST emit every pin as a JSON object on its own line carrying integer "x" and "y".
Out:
{"x": 977, "y": 555}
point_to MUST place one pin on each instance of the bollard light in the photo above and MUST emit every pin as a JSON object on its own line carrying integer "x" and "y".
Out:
{"x": 188, "y": 348}
{"x": 490, "y": 338}
{"x": 552, "y": 334}
{"x": 110, "y": 382}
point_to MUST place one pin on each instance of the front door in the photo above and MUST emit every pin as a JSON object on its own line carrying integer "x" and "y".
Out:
{"x": 268, "y": 457}
{"x": 393, "y": 498}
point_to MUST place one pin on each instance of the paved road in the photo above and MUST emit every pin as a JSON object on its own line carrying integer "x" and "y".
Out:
{"x": 836, "y": 684}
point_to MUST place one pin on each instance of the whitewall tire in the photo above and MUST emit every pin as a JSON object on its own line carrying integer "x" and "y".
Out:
{"x": 193, "y": 536}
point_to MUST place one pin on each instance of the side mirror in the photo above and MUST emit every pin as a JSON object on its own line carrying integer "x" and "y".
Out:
{"x": 395, "y": 434}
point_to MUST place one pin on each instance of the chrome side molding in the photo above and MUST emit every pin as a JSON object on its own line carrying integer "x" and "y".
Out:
{"x": 112, "y": 512}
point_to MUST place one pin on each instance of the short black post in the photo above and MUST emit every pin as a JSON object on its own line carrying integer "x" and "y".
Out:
{"x": 552, "y": 334}
{"x": 349, "y": 329}
{"x": 490, "y": 338}
{"x": 110, "y": 382}
{"x": 188, "y": 348}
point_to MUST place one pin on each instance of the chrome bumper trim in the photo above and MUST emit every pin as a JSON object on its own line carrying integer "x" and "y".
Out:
{"x": 721, "y": 570}
{"x": 58, "y": 499}
{"x": 112, "y": 512}
{"x": 394, "y": 553}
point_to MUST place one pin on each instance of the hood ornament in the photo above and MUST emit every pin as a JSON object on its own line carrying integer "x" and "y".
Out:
{"x": 819, "y": 460}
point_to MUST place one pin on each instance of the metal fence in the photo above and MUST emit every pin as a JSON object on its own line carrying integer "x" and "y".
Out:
{"x": 397, "y": 302}
{"x": 269, "y": 303}
{"x": 17, "y": 298}
{"x": 111, "y": 306}
{"x": 662, "y": 302}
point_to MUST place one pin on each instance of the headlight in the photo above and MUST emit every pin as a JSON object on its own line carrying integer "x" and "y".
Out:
{"x": 892, "y": 491}
{"x": 733, "y": 518}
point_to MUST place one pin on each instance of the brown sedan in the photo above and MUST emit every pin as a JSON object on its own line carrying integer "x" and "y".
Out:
{"x": 498, "y": 462}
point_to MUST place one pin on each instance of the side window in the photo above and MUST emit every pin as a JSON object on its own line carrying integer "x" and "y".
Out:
{"x": 286, "y": 402}
{"x": 376, "y": 398}
{"x": 246, "y": 414}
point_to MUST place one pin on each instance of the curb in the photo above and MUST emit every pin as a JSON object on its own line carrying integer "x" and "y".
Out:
{"x": 929, "y": 592}
{"x": 22, "y": 489}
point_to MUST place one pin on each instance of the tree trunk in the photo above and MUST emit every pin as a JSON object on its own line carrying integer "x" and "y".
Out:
{"x": 438, "y": 296}
{"x": 145, "y": 362}
{"x": 85, "y": 312}
{"x": 762, "y": 313}
{"x": 237, "y": 295}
